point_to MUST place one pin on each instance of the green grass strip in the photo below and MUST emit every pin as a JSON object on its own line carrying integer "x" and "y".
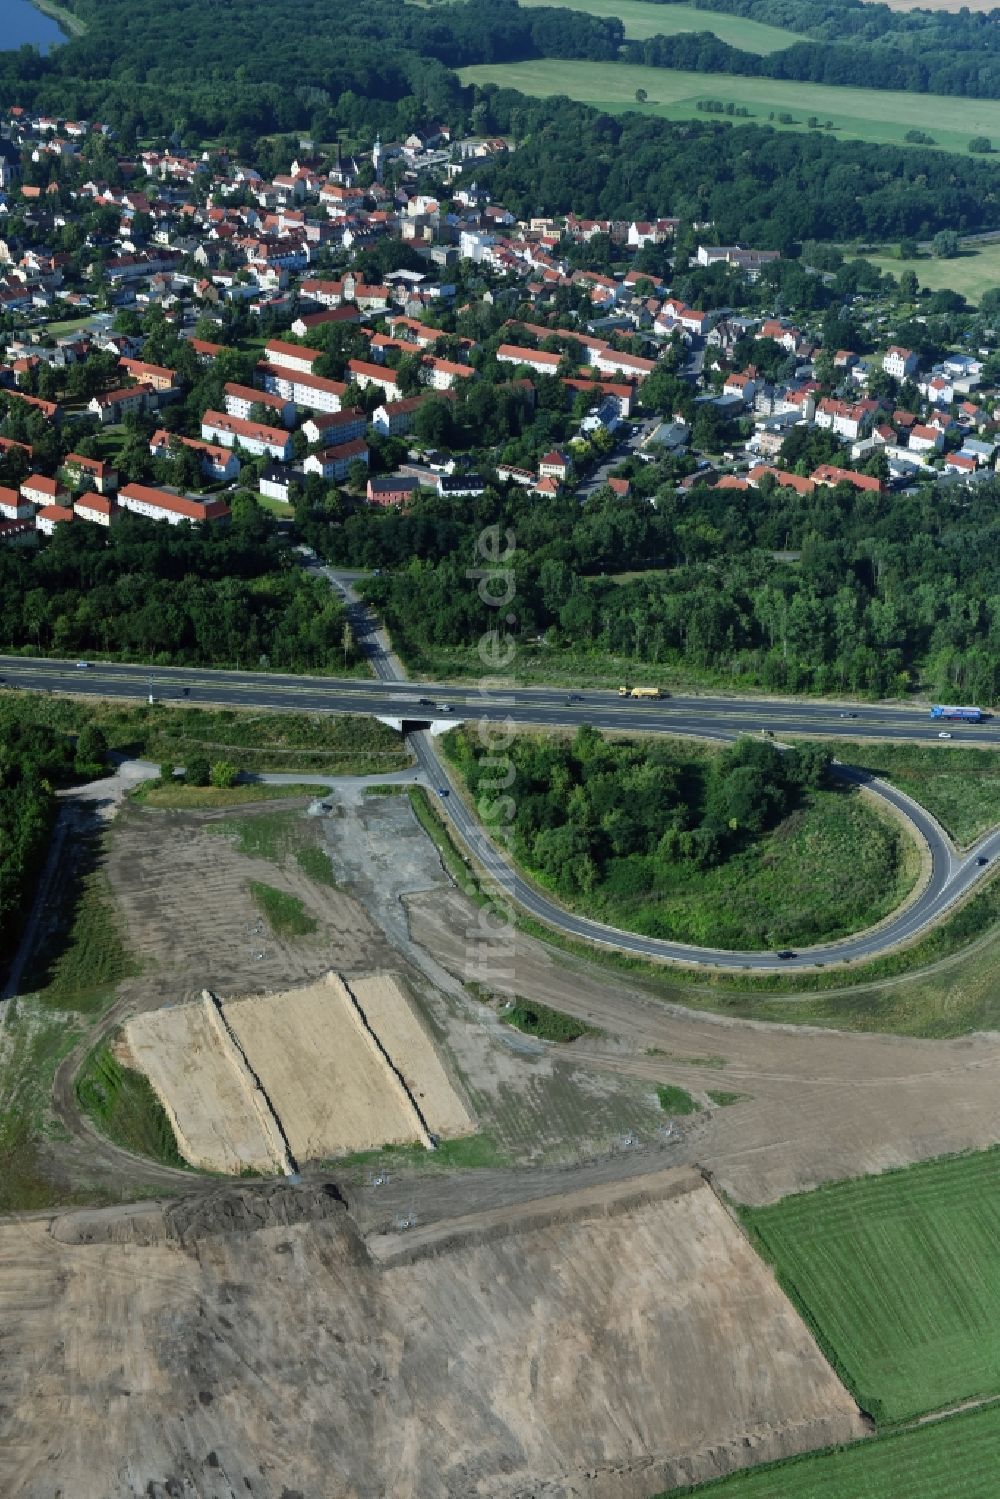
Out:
{"x": 285, "y": 914}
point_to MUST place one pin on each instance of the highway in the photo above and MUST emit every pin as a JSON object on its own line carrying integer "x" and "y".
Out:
{"x": 713, "y": 716}
{"x": 418, "y": 704}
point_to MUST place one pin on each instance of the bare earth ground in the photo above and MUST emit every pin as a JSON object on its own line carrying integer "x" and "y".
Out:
{"x": 817, "y": 1105}
{"x": 612, "y": 1343}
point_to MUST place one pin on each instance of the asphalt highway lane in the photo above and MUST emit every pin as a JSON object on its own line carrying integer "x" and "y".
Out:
{"x": 711, "y": 716}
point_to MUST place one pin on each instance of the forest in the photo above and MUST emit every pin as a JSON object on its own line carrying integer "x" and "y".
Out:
{"x": 170, "y": 595}
{"x": 835, "y": 592}
{"x": 591, "y": 810}
{"x": 34, "y": 759}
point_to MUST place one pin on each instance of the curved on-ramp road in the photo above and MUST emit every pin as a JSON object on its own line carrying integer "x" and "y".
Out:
{"x": 951, "y": 876}
{"x": 394, "y": 697}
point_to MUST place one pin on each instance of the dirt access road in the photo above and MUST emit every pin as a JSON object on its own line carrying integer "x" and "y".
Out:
{"x": 816, "y": 1105}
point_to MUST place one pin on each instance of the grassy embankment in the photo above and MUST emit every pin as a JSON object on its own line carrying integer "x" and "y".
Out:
{"x": 184, "y": 798}
{"x": 958, "y": 786}
{"x": 123, "y": 1105}
{"x": 67, "y": 988}
{"x": 881, "y": 116}
{"x": 285, "y": 914}
{"x": 68, "y": 21}
{"x": 324, "y": 743}
{"x": 673, "y": 1100}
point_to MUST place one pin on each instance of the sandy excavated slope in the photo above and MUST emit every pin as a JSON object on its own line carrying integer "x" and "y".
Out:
{"x": 326, "y": 1081}
{"x": 392, "y": 1017}
{"x": 216, "y": 1125}
{"x": 333, "y": 1085}
{"x": 602, "y": 1349}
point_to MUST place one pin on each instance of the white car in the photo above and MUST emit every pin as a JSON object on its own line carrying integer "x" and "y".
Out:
{"x": 944, "y": 734}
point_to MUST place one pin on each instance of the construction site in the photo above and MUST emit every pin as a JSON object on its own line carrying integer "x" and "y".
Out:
{"x": 405, "y": 1248}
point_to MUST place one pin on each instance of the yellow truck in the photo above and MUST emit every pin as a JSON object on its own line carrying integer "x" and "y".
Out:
{"x": 639, "y": 692}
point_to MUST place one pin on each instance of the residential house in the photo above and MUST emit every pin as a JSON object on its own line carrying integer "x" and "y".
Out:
{"x": 847, "y": 421}
{"x": 295, "y": 357}
{"x": 925, "y": 439}
{"x": 509, "y": 473}
{"x": 39, "y": 490}
{"x": 155, "y": 375}
{"x": 900, "y": 363}
{"x": 535, "y": 359}
{"x": 254, "y": 437}
{"x": 743, "y": 386}
{"x": 112, "y": 406}
{"x": 163, "y": 504}
{"x": 395, "y": 418}
{"x": 305, "y": 321}
{"x": 395, "y": 490}
{"x": 460, "y": 486}
{"x": 14, "y": 506}
{"x": 216, "y": 462}
{"x": 80, "y": 471}
{"x": 554, "y": 465}
{"x": 333, "y": 463}
{"x": 830, "y": 475}
{"x": 341, "y": 426}
{"x": 241, "y": 399}
{"x": 18, "y": 533}
{"x": 207, "y": 352}
{"x": 279, "y": 482}
{"x": 51, "y": 516}
{"x": 442, "y": 374}
{"x": 781, "y": 477}
{"x": 312, "y": 391}
{"x": 96, "y": 508}
{"x": 610, "y": 362}
{"x": 364, "y": 374}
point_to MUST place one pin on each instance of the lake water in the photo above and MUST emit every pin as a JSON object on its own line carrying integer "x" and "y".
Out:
{"x": 21, "y": 22}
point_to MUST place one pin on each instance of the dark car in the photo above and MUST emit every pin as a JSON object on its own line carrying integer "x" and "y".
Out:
{"x": 982, "y": 860}
{"x": 786, "y": 952}
{"x": 443, "y": 791}
{"x": 425, "y": 702}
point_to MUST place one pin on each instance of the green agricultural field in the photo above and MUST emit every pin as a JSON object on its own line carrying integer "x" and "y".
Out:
{"x": 899, "y": 1276}
{"x": 976, "y": 270}
{"x": 877, "y": 115}
{"x": 643, "y": 20}
{"x": 953, "y": 1459}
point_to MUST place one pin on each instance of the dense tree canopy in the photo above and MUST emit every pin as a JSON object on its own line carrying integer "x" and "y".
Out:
{"x": 152, "y": 592}
{"x": 834, "y": 591}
